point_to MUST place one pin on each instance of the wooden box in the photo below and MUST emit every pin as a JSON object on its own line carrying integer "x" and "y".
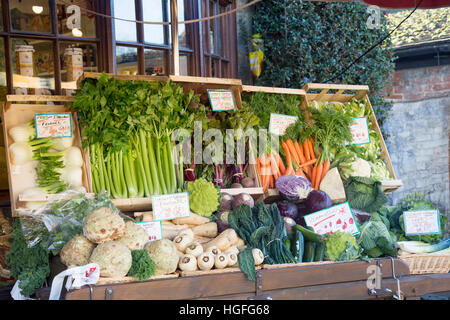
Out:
{"x": 13, "y": 113}
{"x": 200, "y": 86}
{"x": 345, "y": 93}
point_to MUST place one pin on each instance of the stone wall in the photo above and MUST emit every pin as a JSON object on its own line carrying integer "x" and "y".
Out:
{"x": 418, "y": 129}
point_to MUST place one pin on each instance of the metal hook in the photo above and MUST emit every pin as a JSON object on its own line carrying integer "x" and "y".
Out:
{"x": 399, "y": 295}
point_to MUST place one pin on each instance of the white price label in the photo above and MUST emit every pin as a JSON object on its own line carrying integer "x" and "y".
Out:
{"x": 336, "y": 218}
{"x": 421, "y": 222}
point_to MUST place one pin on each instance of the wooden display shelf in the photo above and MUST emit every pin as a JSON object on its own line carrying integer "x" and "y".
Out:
{"x": 324, "y": 280}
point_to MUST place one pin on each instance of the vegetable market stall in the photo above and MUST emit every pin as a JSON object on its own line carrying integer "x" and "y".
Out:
{"x": 258, "y": 242}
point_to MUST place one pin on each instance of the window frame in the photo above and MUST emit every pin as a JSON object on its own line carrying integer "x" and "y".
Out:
{"x": 141, "y": 45}
{"x": 8, "y": 33}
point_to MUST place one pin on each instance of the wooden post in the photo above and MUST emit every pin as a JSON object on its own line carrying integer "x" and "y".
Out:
{"x": 174, "y": 30}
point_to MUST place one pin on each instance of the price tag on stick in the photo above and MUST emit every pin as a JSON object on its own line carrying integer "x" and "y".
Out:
{"x": 153, "y": 228}
{"x": 53, "y": 125}
{"x": 278, "y": 123}
{"x": 336, "y": 218}
{"x": 421, "y": 222}
{"x": 221, "y": 100}
{"x": 360, "y": 131}
{"x": 171, "y": 206}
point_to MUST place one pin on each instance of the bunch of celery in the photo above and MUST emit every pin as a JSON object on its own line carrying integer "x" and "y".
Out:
{"x": 127, "y": 127}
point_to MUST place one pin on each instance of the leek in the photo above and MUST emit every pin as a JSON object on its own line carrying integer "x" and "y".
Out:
{"x": 422, "y": 247}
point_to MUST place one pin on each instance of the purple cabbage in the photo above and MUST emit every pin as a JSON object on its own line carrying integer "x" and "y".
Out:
{"x": 293, "y": 187}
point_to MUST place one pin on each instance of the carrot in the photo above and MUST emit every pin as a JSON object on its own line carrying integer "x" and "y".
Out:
{"x": 280, "y": 163}
{"x": 318, "y": 175}
{"x": 326, "y": 167}
{"x": 265, "y": 171}
{"x": 313, "y": 176}
{"x": 274, "y": 166}
{"x": 311, "y": 147}
{"x": 299, "y": 152}
{"x": 288, "y": 154}
{"x": 291, "y": 147}
{"x": 306, "y": 150}
{"x": 308, "y": 163}
{"x": 300, "y": 172}
{"x": 271, "y": 183}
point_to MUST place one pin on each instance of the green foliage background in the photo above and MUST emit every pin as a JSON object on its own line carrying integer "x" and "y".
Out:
{"x": 314, "y": 41}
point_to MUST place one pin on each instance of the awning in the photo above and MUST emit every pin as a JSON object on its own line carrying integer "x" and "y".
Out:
{"x": 403, "y": 4}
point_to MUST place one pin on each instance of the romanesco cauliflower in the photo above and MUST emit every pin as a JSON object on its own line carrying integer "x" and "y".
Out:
{"x": 203, "y": 197}
{"x": 341, "y": 246}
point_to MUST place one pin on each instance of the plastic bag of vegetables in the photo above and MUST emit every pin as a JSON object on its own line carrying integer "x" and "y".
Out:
{"x": 54, "y": 224}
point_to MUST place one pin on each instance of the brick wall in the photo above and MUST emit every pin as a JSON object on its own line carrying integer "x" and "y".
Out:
{"x": 419, "y": 133}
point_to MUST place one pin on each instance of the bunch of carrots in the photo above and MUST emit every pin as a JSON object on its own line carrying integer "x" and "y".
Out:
{"x": 301, "y": 159}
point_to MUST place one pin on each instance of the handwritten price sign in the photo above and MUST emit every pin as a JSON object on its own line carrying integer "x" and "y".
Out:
{"x": 360, "y": 131}
{"x": 336, "y": 218}
{"x": 171, "y": 206}
{"x": 153, "y": 228}
{"x": 53, "y": 125}
{"x": 221, "y": 100}
{"x": 280, "y": 122}
{"x": 421, "y": 222}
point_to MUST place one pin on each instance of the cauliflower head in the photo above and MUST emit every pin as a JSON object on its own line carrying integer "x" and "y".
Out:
{"x": 341, "y": 246}
{"x": 203, "y": 197}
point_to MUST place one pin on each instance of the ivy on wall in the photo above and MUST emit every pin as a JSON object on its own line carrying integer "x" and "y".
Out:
{"x": 315, "y": 41}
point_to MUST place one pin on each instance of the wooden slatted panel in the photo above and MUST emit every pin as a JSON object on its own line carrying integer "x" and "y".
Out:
{"x": 317, "y": 274}
{"x": 172, "y": 289}
{"x": 413, "y": 287}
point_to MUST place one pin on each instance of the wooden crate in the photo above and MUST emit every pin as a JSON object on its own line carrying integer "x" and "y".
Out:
{"x": 271, "y": 195}
{"x": 345, "y": 93}
{"x": 200, "y": 86}
{"x": 13, "y": 113}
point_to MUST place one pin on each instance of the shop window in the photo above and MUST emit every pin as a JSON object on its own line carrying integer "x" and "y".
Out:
{"x": 72, "y": 21}
{"x": 30, "y": 16}
{"x": 154, "y": 62}
{"x": 127, "y": 60}
{"x": 75, "y": 59}
{"x": 125, "y": 30}
{"x": 33, "y": 66}
{"x": 153, "y": 11}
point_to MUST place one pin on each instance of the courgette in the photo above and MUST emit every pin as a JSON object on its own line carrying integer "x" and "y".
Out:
{"x": 308, "y": 234}
{"x": 310, "y": 247}
{"x": 319, "y": 252}
{"x": 297, "y": 245}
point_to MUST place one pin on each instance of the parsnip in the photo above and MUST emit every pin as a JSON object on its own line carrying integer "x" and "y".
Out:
{"x": 193, "y": 219}
{"x": 224, "y": 240}
{"x": 206, "y": 230}
{"x": 170, "y": 231}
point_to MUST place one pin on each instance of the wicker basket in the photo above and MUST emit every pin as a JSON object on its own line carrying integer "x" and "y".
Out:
{"x": 427, "y": 263}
